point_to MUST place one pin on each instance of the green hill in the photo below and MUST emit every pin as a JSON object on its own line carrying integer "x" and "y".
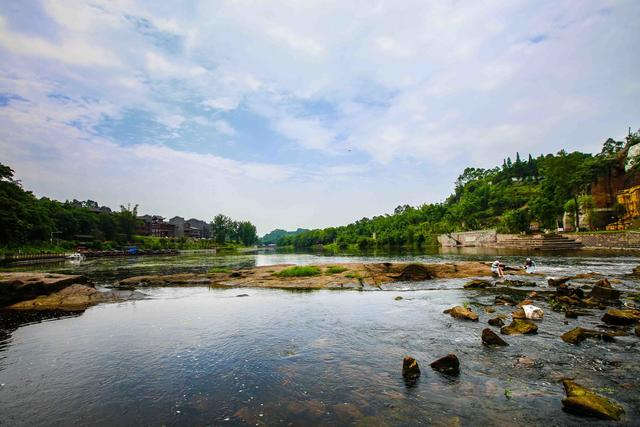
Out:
{"x": 277, "y": 234}
{"x": 512, "y": 198}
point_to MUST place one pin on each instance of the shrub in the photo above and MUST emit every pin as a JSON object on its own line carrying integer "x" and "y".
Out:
{"x": 219, "y": 270}
{"x": 299, "y": 271}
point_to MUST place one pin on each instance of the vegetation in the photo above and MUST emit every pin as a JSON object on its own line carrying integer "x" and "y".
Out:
{"x": 32, "y": 225}
{"x": 335, "y": 269}
{"x": 277, "y": 234}
{"x": 299, "y": 271}
{"x": 508, "y": 198}
{"x": 225, "y": 229}
{"x": 219, "y": 270}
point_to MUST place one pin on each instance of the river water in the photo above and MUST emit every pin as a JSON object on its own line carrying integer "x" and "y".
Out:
{"x": 200, "y": 356}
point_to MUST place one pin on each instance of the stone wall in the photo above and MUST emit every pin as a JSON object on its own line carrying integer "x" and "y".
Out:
{"x": 468, "y": 238}
{"x": 620, "y": 240}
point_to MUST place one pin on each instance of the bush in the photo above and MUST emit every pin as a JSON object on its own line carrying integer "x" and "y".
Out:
{"x": 299, "y": 271}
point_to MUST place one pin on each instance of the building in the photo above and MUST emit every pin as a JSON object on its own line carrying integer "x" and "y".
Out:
{"x": 155, "y": 225}
{"x": 178, "y": 223}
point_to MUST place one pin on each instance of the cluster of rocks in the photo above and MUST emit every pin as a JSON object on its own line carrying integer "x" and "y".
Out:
{"x": 448, "y": 365}
{"x": 574, "y": 301}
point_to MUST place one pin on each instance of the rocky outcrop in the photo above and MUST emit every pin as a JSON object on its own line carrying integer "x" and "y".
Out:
{"x": 582, "y": 401}
{"x": 350, "y": 276}
{"x": 72, "y": 298}
{"x": 490, "y": 338}
{"x": 557, "y": 281}
{"x": 520, "y": 326}
{"x": 463, "y": 313}
{"x": 448, "y": 364}
{"x": 410, "y": 368}
{"x": 15, "y": 287}
{"x": 478, "y": 284}
{"x": 577, "y": 335}
{"x": 625, "y": 317}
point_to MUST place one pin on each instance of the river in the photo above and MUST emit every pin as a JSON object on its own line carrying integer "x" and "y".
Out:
{"x": 200, "y": 356}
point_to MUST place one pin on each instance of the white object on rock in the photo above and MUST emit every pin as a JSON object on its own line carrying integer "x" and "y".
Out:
{"x": 532, "y": 312}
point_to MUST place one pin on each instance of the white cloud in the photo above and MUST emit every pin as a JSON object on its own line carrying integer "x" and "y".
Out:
{"x": 224, "y": 128}
{"x": 224, "y": 103}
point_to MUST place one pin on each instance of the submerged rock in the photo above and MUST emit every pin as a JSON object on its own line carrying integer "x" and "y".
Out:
{"x": 637, "y": 330}
{"x": 491, "y": 338}
{"x": 573, "y": 314}
{"x": 518, "y": 314}
{"x": 72, "y": 298}
{"x": 577, "y": 335}
{"x": 410, "y": 368}
{"x": 621, "y": 317}
{"x": 604, "y": 293}
{"x": 518, "y": 283}
{"x": 557, "y": 281}
{"x": 460, "y": 312}
{"x": 448, "y": 364}
{"x": 582, "y": 401}
{"x": 504, "y": 300}
{"x": 519, "y": 326}
{"x": 398, "y": 298}
{"x": 489, "y": 310}
{"x": 496, "y": 321}
{"x": 478, "y": 284}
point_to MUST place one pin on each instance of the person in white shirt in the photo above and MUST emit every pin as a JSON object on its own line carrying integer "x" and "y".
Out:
{"x": 496, "y": 268}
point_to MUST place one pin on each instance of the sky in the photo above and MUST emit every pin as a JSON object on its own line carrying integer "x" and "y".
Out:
{"x": 302, "y": 113}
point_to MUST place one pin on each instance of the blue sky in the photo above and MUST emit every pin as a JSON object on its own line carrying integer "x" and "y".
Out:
{"x": 302, "y": 114}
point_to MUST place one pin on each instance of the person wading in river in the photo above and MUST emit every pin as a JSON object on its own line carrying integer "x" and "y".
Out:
{"x": 496, "y": 268}
{"x": 530, "y": 266}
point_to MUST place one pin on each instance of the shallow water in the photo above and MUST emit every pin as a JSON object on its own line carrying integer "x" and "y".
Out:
{"x": 200, "y": 356}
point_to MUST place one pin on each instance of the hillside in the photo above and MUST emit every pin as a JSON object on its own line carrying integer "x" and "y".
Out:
{"x": 277, "y": 234}
{"x": 519, "y": 196}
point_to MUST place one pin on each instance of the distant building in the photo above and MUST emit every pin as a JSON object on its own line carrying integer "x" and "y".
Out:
{"x": 178, "y": 223}
{"x": 155, "y": 225}
{"x": 203, "y": 226}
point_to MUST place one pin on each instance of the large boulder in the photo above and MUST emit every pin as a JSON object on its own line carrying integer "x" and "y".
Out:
{"x": 410, "y": 368}
{"x": 520, "y": 326}
{"x": 490, "y": 338}
{"x": 463, "y": 313}
{"x": 614, "y": 316}
{"x": 448, "y": 364}
{"x": 582, "y": 401}
{"x": 577, "y": 335}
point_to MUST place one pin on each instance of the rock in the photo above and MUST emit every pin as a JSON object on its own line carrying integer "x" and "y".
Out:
{"x": 489, "y": 310}
{"x": 552, "y": 281}
{"x": 504, "y": 300}
{"x": 496, "y": 321}
{"x": 524, "y": 362}
{"x": 604, "y": 283}
{"x": 565, "y": 290}
{"x": 242, "y": 295}
{"x": 518, "y": 283}
{"x": 448, "y": 364}
{"x": 186, "y": 279}
{"x": 569, "y": 300}
{"x": 582, "y": 401}
{"x": 532, "y": 312}
{"x": 533, "y": 294}
{"x": 519, "y": 326}
{"x": 23, "y": 286}
{"x": 636, "y": 271}
{"x": 621, "y": 317}
{"x": 573, "y": 314}
{"x": 577, "y": 335}
{"x": 478, "y": 284}
{"x": 72, "y": 298}
{"x": 637, "y": 330}
{"x": 410, "y": 368}
{"x": 524, "y": 302}
{"x": 518, "y": 314}
{"x": 604, "y": 293}
{"x": 490, "y": 338}
{"x": 460, "y": 312}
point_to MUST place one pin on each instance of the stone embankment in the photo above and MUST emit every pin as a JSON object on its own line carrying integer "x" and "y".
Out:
{"x": 46, "y": 291}
{"x": 350, "y": 276}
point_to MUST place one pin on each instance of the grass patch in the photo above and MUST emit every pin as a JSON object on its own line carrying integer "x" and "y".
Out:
{"x": 220, "y": 270}
{"x": 299, "y": 271}
{"x": 353, "y": 275}
{"x": 335, "y": 269}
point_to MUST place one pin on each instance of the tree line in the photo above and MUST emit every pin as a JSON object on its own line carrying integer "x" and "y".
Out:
{"x": 26, "y": 219}
{"x": 508, "y": 197}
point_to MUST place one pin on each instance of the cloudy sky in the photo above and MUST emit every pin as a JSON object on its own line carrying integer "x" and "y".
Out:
{"x": 302, "y": 113}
